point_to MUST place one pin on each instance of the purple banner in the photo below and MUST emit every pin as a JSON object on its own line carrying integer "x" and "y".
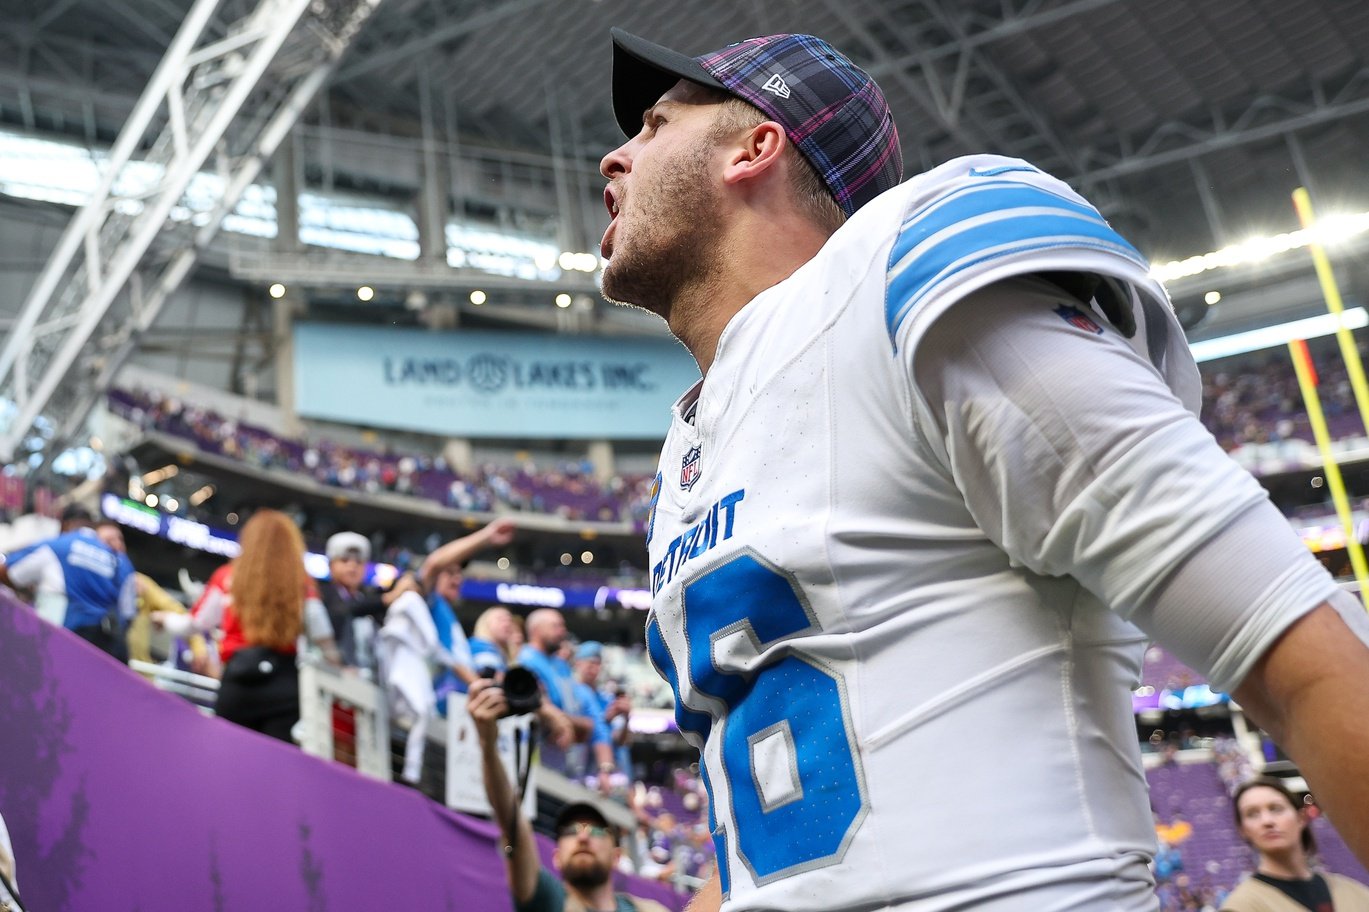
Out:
{"x": 120, "y": 797}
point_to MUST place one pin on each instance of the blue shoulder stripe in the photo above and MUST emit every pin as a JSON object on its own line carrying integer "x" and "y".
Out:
{"x": 969, "y": 227}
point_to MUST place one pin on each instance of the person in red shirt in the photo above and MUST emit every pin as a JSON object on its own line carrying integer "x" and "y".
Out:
{"x": 267, "y": 608}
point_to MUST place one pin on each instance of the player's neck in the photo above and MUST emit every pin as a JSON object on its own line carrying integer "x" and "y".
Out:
{"x": 758, "y": 258}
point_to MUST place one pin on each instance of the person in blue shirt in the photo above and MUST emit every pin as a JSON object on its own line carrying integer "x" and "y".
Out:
{"x": 79, "y": 583}
{"x": 456, "y": 670}
{"x": 546, "y": 632}
{"x": 608, "y": 711}
{"x": 440, "y": 580}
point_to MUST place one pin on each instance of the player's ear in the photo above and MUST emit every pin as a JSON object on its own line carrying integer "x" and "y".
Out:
{"x": 756, "y": 153}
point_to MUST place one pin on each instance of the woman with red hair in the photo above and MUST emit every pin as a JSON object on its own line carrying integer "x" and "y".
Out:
{"x": 276, "y": 611}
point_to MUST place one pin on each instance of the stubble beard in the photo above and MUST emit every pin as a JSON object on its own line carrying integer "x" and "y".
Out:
{"x": 674, "y": 240}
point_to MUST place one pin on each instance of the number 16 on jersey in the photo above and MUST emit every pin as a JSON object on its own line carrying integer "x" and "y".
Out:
{"x": 793, "y": 774}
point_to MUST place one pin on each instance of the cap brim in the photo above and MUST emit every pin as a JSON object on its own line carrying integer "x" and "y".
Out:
{"x": 643, "y": 72}
{"x": 583, "y": 810}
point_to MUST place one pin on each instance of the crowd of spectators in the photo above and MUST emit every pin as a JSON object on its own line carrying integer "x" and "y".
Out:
{"x": 1256, "y": 399}
{"x": 1233, "y": 763}
{"x": 1247, "y": 400}
{"x": 1251, "y": 400}
{"x": 1179, "y": 893}
{"x": 1257, "y": 402}
{"x": 672, "y": 837}
{"x": 569, "y": 489}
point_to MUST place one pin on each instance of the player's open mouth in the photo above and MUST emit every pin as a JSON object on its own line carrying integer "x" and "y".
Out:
{"x": 610, "y": 203}
{"x": 612, "y": 206}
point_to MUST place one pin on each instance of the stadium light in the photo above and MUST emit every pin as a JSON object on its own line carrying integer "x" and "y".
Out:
{"x": 1329, "y": 230}
{"x": 365, "y": 293}
{"x": 157, "y": 476}
{"x": 478, "y": 297}
{"x": 1279, "y": 334}
{"x": 277, "y": 291}
{"x": 563, "y": 300}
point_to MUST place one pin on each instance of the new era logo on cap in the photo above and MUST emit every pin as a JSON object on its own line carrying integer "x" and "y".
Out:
{"x": 775, "y": 86}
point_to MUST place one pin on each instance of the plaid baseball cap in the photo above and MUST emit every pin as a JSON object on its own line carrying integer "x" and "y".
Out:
{"x": 830, "y": 108}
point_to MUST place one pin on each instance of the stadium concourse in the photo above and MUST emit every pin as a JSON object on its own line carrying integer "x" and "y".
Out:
{"x": 340, "y": 259}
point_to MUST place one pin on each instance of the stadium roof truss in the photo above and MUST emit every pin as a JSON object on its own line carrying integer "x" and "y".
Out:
{"x": 1188, "y": 124}
{"x": 232, "y": 91}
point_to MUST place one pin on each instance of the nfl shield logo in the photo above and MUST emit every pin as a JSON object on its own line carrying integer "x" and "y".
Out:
{"x": 1078, "y": 319}
{"x": 690, "y": 469}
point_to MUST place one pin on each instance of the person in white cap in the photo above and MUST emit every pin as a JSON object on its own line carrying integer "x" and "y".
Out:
{"x": 356, "y": 610}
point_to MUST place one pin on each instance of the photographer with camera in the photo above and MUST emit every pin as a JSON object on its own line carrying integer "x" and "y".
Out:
{"x": 587, "y": 845}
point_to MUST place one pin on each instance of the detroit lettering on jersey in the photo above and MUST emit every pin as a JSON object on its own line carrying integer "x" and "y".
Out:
{"x": 698, "y": 539}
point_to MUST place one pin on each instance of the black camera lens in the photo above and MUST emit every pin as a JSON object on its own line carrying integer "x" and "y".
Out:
{"x": 522, "y": 690}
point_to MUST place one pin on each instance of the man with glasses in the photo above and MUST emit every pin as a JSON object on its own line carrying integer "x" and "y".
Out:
{"x": 587, "y": 845}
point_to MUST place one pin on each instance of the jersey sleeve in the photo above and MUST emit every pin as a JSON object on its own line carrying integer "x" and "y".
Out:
{"x": 209, "y": 607}
{"x": 1077, "y": 459}
{"x": 975, "y": 221}
{"x": 28, "y": 567}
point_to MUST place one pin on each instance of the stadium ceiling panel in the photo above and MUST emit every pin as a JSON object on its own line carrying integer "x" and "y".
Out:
{"x": 1188, "y": 123}
{"x": 231, "y": 91}
{"x": 1121, "y": 97}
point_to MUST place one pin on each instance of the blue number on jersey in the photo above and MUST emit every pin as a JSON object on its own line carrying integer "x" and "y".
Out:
{"x": 792, "y": 697}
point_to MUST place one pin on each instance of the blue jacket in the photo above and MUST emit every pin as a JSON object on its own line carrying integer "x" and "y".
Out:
{"x": 80, "y": 575}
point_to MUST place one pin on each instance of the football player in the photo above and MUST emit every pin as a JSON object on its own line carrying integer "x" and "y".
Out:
{"x": 942, "y": 479}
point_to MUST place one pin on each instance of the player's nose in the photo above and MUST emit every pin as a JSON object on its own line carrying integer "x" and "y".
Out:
{"x": 617, "y": 162}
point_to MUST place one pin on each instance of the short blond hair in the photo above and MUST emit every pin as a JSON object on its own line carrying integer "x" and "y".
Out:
{"x": 814, "y": 197}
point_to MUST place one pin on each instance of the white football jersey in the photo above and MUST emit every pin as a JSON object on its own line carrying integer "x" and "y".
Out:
{"x": 892, "y": 709}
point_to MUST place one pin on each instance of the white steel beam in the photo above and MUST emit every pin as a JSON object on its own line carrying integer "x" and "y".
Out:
{"x": 236, "y": 96}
